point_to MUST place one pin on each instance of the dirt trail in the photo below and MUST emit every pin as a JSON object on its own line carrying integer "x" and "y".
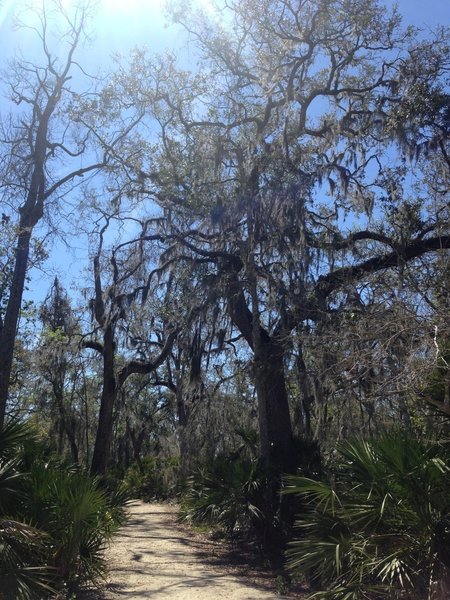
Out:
{"x": 154, "y": 557}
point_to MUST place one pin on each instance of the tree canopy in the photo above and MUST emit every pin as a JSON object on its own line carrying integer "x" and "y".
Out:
{"x": 267, "y": 229}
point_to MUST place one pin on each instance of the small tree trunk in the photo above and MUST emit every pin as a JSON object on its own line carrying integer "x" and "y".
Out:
{"x": 67, "y": 422}
{"x": 186, "y": 451}
{"x": 306, "y": 398}
{"x": 85, "y": 404}
{"x": 9, "y": 329}
{"x": 71, "y": 436}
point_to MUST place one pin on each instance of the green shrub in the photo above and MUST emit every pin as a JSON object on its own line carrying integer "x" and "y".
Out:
{"x": 381, "y": 526}
{"x": 23, "y": 570}
{"x": 153, "y": 478}
{"x": 226, "y": 493}
{"x": 55, "y": 520}
{"x": 78, "y": 517}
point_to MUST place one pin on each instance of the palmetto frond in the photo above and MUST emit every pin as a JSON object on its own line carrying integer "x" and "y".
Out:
{"x": 226, "y": 493}
{"x": 381, "y": 526}
{"x": 12, "y": 437}
{"x": 23, "y": 572}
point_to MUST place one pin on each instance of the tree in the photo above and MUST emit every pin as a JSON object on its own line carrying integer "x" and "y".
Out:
{"x": 54, "y": 361}
{"x": 109, "y": 309}
{"x": 283, "y": 171}
{"x": 36, "y": 147}
{"x": 64, "y": 130}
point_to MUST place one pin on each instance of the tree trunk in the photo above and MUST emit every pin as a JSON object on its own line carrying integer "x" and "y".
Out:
{"x": 275, "y": 430}
{"x": 104, "y": 431}
{"x": 71, "y": 435}
{"x": 306, "y": 398}
{"x": 9, "y": 329}
{"x": 108, "y": 400}
{"x": 186, "y": 450}
{"x": 68, "y": 424}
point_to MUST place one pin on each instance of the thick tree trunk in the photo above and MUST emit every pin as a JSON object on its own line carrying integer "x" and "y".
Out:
{"x": 275, "y": 430}
{"x": 275, "y": 433}
{"x": 9, "y": 328}
{"x": 103, "y": 438}
{"x": 108, "y": 400}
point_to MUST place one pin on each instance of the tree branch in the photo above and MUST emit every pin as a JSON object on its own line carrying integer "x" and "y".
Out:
{"x": 143, "y": 368}
{"x": 93, "y": 345}
{"x": 327, "y": 284}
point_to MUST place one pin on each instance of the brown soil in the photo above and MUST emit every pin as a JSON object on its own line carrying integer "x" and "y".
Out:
{"x": 155, "y": 557}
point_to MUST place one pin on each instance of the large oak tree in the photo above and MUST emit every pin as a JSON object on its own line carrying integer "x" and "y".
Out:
{"x": 286, "y": 164}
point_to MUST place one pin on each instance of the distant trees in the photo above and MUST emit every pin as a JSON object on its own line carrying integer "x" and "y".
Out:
{"x": 56, "y": 363}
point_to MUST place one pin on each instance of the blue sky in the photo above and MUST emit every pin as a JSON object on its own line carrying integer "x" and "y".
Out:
{"x": 425, "y": 13}
{"x": 121, "y": 24}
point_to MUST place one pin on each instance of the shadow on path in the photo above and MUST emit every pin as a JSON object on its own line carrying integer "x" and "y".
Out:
{"x": 154, "y": 556}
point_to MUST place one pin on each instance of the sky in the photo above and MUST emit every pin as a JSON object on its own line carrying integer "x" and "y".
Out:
{"x": 117, "y": 26}
{"x": 424, "y": 13}
{"x": 121, "y": 25}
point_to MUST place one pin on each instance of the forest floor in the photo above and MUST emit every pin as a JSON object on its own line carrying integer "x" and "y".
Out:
{"x": 156, "y": 557}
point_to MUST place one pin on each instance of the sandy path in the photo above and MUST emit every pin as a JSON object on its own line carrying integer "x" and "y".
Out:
{"x": 153, "y": 557}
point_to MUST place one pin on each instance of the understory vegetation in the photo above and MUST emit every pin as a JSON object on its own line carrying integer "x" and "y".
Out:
{"x": 55, "y": 519}
{"x": 244, "y": 246}
{"x": 379, "y": 524}
{"x": 228, "y": 493}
